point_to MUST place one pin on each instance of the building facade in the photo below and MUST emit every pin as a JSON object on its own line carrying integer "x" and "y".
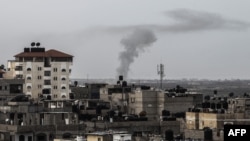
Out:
{"x": 46, "y": 73}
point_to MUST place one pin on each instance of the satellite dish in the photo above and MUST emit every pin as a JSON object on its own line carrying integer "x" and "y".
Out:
{"x": 33, "y": 44}
{"x": 37, "y": 44}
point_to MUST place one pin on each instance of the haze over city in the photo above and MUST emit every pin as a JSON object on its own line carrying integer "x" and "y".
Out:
{"x": 193, "y": 39}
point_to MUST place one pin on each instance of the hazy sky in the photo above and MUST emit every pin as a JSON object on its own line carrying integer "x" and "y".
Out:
{"x": 203, "y": 39}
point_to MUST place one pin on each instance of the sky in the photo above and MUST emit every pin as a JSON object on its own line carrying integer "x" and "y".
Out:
{"x": 193, "y": 39}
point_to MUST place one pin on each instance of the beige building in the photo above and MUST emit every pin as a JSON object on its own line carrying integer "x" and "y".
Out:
{"x": 203, "y": 118}
{"x": 240, "y": 106}
{"x": 109, "y": 136}
{"x": 46, "y": 73}
{"x": 148, "y": 99}
{"x": 27, "y": 121}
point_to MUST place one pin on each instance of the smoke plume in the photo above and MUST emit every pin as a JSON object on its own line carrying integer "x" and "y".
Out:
{"x": 134, "y": 44}
{"x": 186, "y": 20}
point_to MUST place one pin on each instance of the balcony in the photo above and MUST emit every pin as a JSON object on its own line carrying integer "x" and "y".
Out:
{"x": 47, "y": 82}
{"x": 18, "y": 68}
{"x": 64, "y": 109}
{"x": 46, "y": 91}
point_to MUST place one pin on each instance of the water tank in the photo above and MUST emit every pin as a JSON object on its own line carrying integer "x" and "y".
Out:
{"x": 120, "y": 77}
{"x": 124, "y": 83}
{"x": 26, "y": 49}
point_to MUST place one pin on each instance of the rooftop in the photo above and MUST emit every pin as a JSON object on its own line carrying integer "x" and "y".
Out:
{"x": 49, "y": 53}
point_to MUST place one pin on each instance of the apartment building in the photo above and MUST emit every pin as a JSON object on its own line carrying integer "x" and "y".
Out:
{"x": 10, "y": 88}
{"x": 46, "y": 72}
{"x": 24, "y": 120}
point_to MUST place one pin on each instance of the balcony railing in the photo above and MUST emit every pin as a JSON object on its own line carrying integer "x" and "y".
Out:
{"x": 64, "y": 109}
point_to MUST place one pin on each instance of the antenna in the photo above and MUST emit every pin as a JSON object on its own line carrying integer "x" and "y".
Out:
{"x": 160, "y": 71}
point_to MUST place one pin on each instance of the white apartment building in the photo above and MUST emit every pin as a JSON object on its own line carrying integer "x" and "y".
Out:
{"x": 46, "y": 73}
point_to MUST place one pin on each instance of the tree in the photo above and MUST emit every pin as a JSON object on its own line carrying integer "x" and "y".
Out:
{"x": 165, "y": 113}
{"x": 2, "y": 66}
{"x": 142, "y": 113}
{"x": 207, "y": 97}
{"x": 231, "y": 94}
{"x": 246, "y": 95}
{"x": 75, "y": 83}
{"x": 215, "y": 92}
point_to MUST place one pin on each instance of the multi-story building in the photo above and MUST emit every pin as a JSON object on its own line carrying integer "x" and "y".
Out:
{"x": 148, "y": 99}
{"x": 25, "y": 120}
{"x": 109, "y": 136}
{"x": 239, "y": 106}
{"x": 214, "y": 114}
{"x": 10, "y": 88}
{"x": 46, "y": 73}
{"x": 89, "y": 91}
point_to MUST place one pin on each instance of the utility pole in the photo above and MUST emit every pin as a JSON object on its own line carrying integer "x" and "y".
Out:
{"x": 160, "y": 71}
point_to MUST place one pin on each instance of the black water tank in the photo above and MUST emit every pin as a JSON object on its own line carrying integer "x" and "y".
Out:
{"x": 124, "y": 83}
{"x": 26, "y": 49}
{"x": 120, "y": 77}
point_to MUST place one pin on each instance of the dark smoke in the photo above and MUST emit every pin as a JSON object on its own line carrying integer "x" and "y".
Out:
{"x": 134, "y": 44}
{"x": 186, "y": 20}
{"x": 191, "y": 20}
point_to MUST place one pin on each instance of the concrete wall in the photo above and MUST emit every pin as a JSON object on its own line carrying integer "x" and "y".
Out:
{"x": 182, "y": 103}
{"x": 199, "y": 134}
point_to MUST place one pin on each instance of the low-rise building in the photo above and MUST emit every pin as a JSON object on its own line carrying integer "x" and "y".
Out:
{"x": 109, "y": 136}
{"x": 10, "y": 88}
{"x": 25, "y": 120}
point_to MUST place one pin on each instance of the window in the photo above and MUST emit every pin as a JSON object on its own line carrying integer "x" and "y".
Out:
{"x": 29, "y": 138}
{"x": 18, "y": 68}
{"x": 28, "y": 87}
{"x": 21, "y": 138}
{"x": 98, "y": 139}
{"x": 39, "y": 68}
{"x": 28, "y": 78}
{"x": 63, "y": 70}
{"x": 55, "y": 69}
{"x": 62, "y": 116}
{"x": 55, "y": 78}
{"x": 63, "y": 87}
{"x": 5, "y": 87}
{"x": 39, "y": 77}
{"x": 47, "y": 82}
{"x": 55, "y": 87}
{"x": 19, "y": 76}
{"x": 132, "y": 100}
{"x": 63, "y": 78}
{"x": 46, "y": 73}
{"x": 28, "y": 69}
{"x": 39, "y": 86}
